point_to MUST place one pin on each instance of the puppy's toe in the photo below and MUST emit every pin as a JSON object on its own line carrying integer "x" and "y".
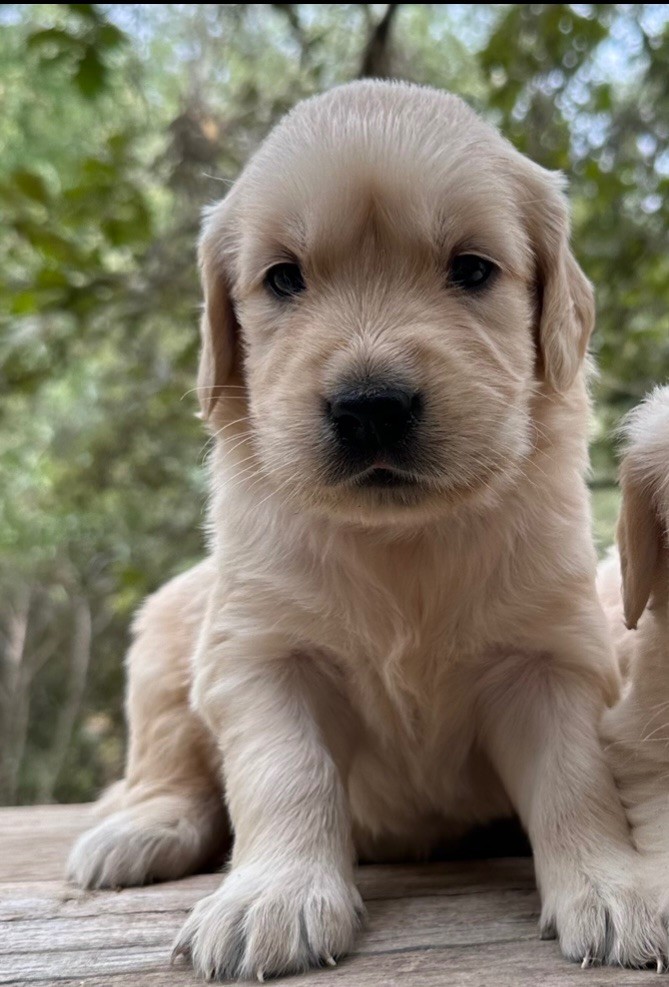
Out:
{"x": 158, "y": 841}
{"x": 260, "y": 925}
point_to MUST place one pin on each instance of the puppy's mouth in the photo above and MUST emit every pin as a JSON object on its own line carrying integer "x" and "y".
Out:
{"x": 383, "y": 478}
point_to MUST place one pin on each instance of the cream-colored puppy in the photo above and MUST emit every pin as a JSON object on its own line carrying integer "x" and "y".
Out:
{"x": 398, "y": 632}
{"x": 636, "y": 730}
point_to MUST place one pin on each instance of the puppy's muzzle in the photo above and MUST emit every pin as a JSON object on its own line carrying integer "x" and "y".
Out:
{"x": 371, "y": 424}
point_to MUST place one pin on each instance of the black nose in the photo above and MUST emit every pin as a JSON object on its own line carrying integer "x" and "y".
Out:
{"x": 374, "y": 420}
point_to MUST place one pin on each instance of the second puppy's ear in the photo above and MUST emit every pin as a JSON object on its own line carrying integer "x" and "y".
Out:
{"x": 219, "y": 328}
{"x": 643, "y": 526}
{"x": 640, "y": 542}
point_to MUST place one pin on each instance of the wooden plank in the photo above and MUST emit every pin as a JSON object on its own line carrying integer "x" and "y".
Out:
{"x": 511, "y": 964}
{"x": 471, "y": 923}
{"x": 34, "y": 840}
{"x": 52, "y": 899}
{"x": 437, "y": 921}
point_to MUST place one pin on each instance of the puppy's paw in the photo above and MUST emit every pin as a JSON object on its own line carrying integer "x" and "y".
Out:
{"x": 158, "y": 840}
{"x": 262, "y": 923}
{"x": 606, "y": 923}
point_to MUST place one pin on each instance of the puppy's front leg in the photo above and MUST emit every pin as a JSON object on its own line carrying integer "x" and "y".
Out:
{"x": 289, "y": 901}
{"x": 540, "y": 730}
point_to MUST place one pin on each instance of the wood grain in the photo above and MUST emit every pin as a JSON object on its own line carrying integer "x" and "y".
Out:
{"x": 469, "y": 923}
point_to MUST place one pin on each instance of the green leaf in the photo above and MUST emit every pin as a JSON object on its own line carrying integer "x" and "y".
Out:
{"x": 30, "y": 184}
{"x": 91, "y": 73}
{"x": 86, "y": 11}
{"x": 47, "y": 241}
{"x": 24, "y": 303}
{"x": 97, "y": 171}
{"x": 110, "y": 36}
{"x": 53, "y": 36}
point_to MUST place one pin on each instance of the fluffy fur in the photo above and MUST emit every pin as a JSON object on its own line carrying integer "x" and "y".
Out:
{"x": 635, "y": 590}
{"x": 373, "y": 669}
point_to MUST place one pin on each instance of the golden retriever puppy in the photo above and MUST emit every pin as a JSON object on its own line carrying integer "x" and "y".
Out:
{"x": 636, "y": 731}
{"x": 398, "y": 632}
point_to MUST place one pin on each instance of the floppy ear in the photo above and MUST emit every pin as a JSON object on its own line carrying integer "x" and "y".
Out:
{"x": 640, "y": 542}
{"x": 566, "y": 303}
{"x": 218, "y": 328}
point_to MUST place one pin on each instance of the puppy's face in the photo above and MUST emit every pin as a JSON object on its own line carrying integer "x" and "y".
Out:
{"x": 379, "y": 268}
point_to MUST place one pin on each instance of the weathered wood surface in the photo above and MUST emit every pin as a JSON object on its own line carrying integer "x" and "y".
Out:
{"x": 467, "y": 923}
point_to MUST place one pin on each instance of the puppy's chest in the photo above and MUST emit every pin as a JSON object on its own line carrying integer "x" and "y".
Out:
{"x": 415, "y": 693}
{"x": 408, "y": 668}
{"x": 418, "y": 753}
{"x": 406, "y": 634}
{"x": 406, "y": 630}
{"x": 406, "y": 651}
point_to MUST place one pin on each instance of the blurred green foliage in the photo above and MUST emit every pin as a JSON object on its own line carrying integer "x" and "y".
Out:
{"x": 118, "y": 122}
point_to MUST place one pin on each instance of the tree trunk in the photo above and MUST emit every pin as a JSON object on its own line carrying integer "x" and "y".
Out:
{"x": 67, "y": 714}
{"x": 14, "y": 700}
{"x": 377, "y": 58}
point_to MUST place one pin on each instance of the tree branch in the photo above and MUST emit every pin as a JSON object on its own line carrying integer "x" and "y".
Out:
{"x": 377, "y": 57}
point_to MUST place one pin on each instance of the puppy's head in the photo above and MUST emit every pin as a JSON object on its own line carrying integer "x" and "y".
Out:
{"x": 387, "y": 286}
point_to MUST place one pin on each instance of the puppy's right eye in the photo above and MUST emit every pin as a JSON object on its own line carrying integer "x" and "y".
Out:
{"x": 469, "y": 271}
{"x": 285, "y": 280}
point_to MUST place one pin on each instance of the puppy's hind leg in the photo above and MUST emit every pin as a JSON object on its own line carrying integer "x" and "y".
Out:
{"x": 167, "y": 817}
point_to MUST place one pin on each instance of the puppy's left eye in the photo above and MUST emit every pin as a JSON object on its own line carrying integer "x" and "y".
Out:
{"x": 470, "y": 271}
{"x": 285, "y": 280}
